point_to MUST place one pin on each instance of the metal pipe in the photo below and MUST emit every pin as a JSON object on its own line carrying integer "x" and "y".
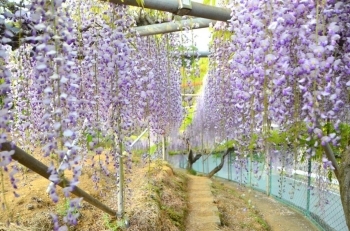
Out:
{"x": 193, "y": 54}
{"x": 191, "y": 95}
{"x": 308, "y": 192}
{"x": 163, "y": 146}
{"x": 196, "y": 54}
{"x": 198, "y": 9}
{"x": 169, "y": 27}
{"x": 139, "y": 137}
{"x": 30, "y": 162}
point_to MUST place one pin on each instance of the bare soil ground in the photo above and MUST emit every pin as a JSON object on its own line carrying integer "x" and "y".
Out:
{"x": 32, "y": 209}
{"x": 157, "y": 201}
{"x": 236, "y": 212}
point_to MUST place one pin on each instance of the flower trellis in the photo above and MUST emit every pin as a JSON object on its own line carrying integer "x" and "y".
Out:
{"x": 281, "y": 63}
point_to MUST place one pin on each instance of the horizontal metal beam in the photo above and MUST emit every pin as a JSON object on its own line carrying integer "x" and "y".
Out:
{"x": 169, "y": 27}
{"x": 196, "y": 54}
{"x": 30, "y": 162}
{"x": 198, "y": 9}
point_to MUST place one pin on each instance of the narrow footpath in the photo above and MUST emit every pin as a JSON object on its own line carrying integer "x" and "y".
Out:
{"x": 203, "y": 214}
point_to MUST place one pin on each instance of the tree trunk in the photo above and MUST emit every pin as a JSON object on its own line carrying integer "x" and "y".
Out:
{"x": 344, "y": 185}
{"x": 219, "y": 167}
{"x": 342, "y": 173}
{"x": 192, "y": 160}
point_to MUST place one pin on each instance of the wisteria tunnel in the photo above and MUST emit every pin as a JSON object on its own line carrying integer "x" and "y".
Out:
{"x": 174, "y": 114}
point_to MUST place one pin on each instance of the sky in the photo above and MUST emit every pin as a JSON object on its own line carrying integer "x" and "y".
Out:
{"x": 202, "y": 39}
{"x": 202, "y": 36}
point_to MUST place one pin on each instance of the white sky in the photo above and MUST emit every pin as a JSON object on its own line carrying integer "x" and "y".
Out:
{"x": 202, "y": 39}
{"x": 202, "y": 36}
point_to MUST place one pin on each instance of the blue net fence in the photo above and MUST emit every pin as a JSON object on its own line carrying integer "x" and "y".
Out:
{"x": 297, "y": 185}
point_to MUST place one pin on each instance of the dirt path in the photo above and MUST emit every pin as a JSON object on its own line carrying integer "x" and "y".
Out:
{"x": 203, "y": 214}
{"x": 278, "y": 216}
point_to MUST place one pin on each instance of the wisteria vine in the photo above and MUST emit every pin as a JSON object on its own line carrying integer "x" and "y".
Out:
{"x": 83, "y": 77}
{"x": 288, "y": 67}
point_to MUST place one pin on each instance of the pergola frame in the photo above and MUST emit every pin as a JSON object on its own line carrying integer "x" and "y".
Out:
{"x": 205, "y": 14}
{"x": 176, "y": 7}
{"x": 174, "y": 26}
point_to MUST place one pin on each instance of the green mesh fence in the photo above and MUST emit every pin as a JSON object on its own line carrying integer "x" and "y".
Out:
{"x": 295, "y": 186}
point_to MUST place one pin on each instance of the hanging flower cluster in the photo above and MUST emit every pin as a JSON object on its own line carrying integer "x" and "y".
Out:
{"x": 83, "y": 77}
{"x": 54, "y": 93}
{"x": 6, "y": 105}
{"x": 158, "y": 86}
{"x": 287, "y": 64}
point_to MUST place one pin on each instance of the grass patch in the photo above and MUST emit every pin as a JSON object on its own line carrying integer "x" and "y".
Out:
{"x": 191, "y": 172}
{"x": 159, "y": 199}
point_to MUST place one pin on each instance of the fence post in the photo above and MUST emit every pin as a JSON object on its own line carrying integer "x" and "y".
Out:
{"x": 268, "y": 185}
{"x": 250, "y": 169}
{"x": 207, "y": 160}
{"x": 308, "y": 187}
{"x": 203, "y": 164}
{"x": 228, "y": 165}
{"x": 120, "y": 194}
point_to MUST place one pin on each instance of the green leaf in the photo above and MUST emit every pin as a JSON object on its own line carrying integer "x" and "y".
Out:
{"x": 153, "y": 149}
{"x": 330, "y": 173}
{"x": 88, "y": 138}
{"x": 209, "y": 2}
{"x": 253, "y": 142}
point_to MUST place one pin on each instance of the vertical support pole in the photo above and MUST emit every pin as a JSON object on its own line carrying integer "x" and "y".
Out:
{"x": 120, "y": 211}
{"x": 207, "y": 160}
{"x": 308, "y": 187}
{"x": 229, "y": 166}
{"x": 202, "y": 143}
{"x": 268, "y": 185}
{"x": 163, "y": 146}
{"x": 241, "y": 172}
{"x": 203, "y": 157}
{"x": 250, "y": 168}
